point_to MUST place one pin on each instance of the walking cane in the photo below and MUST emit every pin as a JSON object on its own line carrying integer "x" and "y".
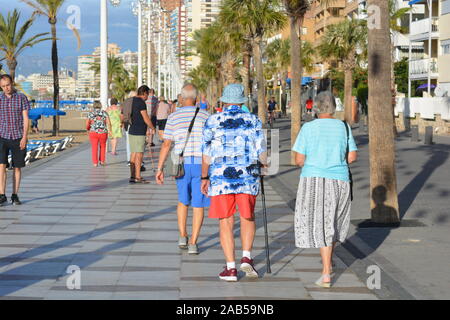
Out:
{"x": 265, "y": 225}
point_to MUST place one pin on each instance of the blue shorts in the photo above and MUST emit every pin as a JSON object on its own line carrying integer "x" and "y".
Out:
{"x": 189, "y": 192}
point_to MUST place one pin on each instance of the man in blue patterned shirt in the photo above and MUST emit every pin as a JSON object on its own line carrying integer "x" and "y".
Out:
{"x": 233, "y": 143}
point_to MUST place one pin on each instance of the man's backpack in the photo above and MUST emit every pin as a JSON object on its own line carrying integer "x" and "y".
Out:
{"x": 127, "y": 110}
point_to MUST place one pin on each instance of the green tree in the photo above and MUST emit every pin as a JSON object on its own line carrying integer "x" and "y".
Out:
{"x": 116, "y": 69}
{"x": 296, "y": 11}
{"x": 279, "y": 59}
{"x": 342, "y": 42}
{"x": 257, "y": 19}
{"x": 13, "y": 41}
{"x": 218, "y": 48}
{"x": 50, "y": 9}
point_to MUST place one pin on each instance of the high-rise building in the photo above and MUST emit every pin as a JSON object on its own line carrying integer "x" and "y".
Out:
{"x": 200, "y": 14}
{"x": 86, "y": 80}
{"x": 171, "y": 5}
{"x": 130, "y": 60}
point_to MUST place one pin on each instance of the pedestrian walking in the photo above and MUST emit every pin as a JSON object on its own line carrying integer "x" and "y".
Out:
{"x": 126, "y": 121}
{"x": 98, "y": 126}
{"x": 115, "y": 117}
{"x": 203, "y": 103}
{"x": 152, "y": 102}
{"x": 189, "y": 145}
{"x": 34, "y": 126}
{"x": 137, "y": 132}
{"x": 162, "y": 114}
{"x": 14, "y": 122}
{"x": 324, "y": 147}
{"x": 309, "y": 105}
{"x": 233, "y": 142}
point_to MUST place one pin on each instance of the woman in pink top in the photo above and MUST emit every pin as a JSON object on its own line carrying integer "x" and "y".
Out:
{"x": 162, "y": 114}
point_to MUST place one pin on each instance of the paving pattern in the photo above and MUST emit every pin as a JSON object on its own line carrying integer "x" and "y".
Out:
{"x": 124, "y": 240}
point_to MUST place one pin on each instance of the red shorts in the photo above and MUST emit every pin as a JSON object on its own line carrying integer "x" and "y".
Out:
{"x": 224, "y": 206}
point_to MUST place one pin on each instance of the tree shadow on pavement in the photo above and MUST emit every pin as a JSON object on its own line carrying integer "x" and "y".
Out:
{"x": 46, "y": 248}
{"x": 439, "y": 154}
{"x": 92, "y": 188}
{"x": 53, "y": 268}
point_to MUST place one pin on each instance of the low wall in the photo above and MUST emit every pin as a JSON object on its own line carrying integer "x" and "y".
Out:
{"x": 423, "y": 112}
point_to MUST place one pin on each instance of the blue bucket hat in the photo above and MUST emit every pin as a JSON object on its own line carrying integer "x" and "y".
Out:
{"x": 233, "y": 93}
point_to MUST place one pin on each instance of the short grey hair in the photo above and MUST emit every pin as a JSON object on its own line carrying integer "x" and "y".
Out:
{"x": 325, "y": 103}
{"x": 189, "y": 91}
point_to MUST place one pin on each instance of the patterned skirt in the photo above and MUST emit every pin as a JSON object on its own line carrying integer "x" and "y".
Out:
{"x": 322, "y": 212}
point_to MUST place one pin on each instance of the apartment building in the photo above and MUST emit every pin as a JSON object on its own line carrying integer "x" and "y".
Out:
{"x": 325, "y": 15}
{"x": 200, "y": 14}
{"x": 86, "y": 77}
{"x": 433, "y": 30}
{"x": 171, "y": 5}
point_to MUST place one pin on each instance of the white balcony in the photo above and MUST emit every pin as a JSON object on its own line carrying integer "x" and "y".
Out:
{"x": 420, "y": 29}
{"x": 419, "y": 69}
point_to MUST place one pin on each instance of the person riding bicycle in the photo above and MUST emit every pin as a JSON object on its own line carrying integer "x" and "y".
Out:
{"x": 271, "y": 107}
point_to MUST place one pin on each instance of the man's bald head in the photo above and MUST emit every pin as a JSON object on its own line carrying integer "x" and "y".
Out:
{"x": 189, "y": 95}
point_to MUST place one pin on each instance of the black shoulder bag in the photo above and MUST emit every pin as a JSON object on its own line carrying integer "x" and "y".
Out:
{"x": 178, "y": 167}
{"x": 346, "y": 160}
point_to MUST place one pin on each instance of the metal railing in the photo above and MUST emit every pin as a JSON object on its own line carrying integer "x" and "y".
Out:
{"x": 423, "y": 26}
{"x": 421, "y": 66}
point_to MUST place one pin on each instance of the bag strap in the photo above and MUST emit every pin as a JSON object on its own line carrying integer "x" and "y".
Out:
{"x": 189, "y": 131}
{"x": 347, "y": 151}
{"x": 346, "y": 159}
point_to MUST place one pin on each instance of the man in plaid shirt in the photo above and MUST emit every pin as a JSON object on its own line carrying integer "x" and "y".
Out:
{"x": 14, "y": 107}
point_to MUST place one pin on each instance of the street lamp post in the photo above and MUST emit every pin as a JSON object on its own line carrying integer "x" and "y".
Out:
{"x": 136, "y": 8}
{"x": 104, "y": 50}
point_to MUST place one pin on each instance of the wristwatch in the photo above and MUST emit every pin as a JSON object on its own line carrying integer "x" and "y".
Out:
{"x": 160, "y": 170}
{"x": 205, "y": 178}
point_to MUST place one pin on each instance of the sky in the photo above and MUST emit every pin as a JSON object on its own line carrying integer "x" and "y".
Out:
{"x": 122, "y": 29}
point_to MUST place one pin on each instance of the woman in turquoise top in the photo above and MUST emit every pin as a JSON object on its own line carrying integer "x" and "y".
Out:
{"x": 322, "y": 211}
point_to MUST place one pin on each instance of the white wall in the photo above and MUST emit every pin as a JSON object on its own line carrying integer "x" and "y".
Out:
{"x": 427, "y": 107}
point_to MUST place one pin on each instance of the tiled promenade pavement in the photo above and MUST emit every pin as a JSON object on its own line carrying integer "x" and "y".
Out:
{"x": 124, "y": 239}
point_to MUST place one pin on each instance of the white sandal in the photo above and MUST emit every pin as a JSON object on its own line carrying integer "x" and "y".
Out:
{"x": 323, "y": 284}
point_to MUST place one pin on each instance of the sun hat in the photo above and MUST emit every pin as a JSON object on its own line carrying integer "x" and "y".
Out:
{"x": 233, "y": 93}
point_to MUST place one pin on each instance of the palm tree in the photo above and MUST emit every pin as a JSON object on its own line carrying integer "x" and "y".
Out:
{"x": 123, "y": 85}
{"x": 13, "y": 42}
{"x": 278, "y": 53}
{"x": 49, "y": 9}
{"x": 383, "y": 180}
{"x": 296, "y": 11}
{"x": 341, "y": 42}
{"x": 219, "y": 48}
{"x": 257, "y": 19}
{"x": 116, "y": 69}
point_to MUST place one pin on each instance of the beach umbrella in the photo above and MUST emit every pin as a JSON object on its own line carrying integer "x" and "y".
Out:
{"x": 44, "y": 112}
{"x": 425, "y": 86}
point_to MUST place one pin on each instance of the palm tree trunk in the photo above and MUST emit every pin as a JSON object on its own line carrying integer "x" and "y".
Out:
{"x": 284, "y": 95}
{"x": 246, "y": 74}
{"x": 55, "y": 79}
{"x": 383, "y": 180}
{"x": 12, "y": 65}
{"x": 229, "y": 69}
{"x": 260, "y": 80}
{"x": 348, "y": 106}
{"x": 296, "y": 80}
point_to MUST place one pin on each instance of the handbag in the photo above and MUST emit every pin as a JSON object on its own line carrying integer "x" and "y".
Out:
{"x": 346, "y": 160}
{"x": 178, "y": 160}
